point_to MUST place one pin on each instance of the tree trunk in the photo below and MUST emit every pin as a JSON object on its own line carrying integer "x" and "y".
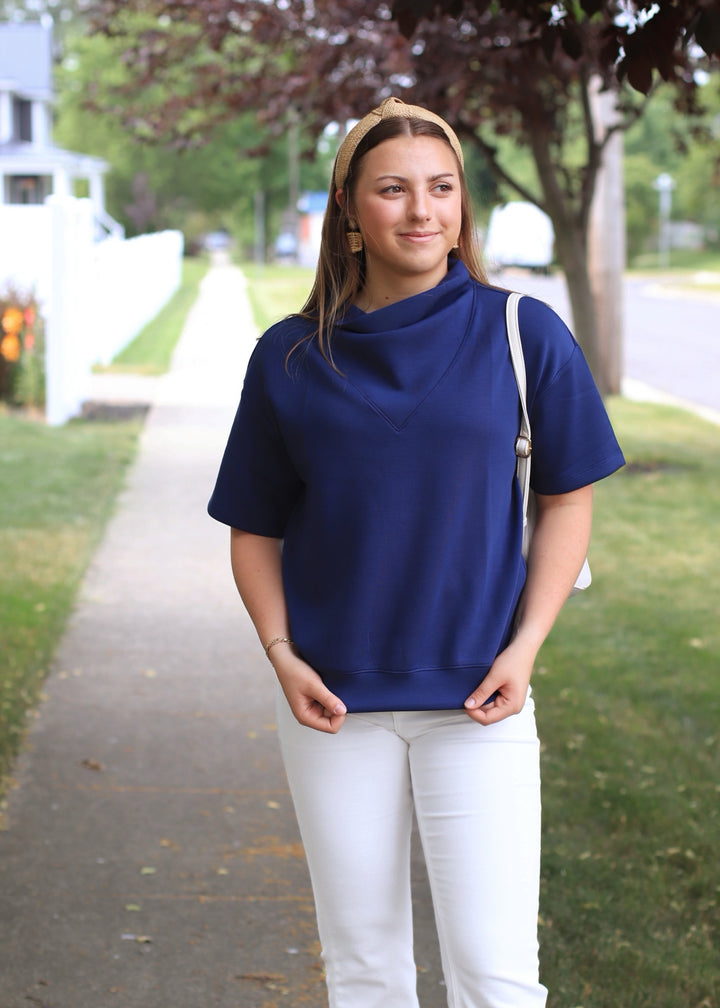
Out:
{"x": 571, "y": 242}
{"x": 570, "y": 216}
{"x": 571, "y": 251}
{"x": 606, "y": 255}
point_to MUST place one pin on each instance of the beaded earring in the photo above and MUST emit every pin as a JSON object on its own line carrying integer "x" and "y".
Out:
{"x": 355, "y": 238}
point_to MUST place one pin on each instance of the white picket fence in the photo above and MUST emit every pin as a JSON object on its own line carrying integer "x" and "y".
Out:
{"x": 95, "y": 296}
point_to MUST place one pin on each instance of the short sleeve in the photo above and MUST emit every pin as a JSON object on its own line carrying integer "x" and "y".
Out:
{"x": 573, "y": 443}
{"x": 257, "y": 485}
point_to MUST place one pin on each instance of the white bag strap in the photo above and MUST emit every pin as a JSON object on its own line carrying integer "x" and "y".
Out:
{"x": 523, "y": 442}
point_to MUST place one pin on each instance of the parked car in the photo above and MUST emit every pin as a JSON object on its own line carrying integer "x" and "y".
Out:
{"x": 519, "y": 234}
{"x": 286, "y": 247}
{"x": 217, "y": 241}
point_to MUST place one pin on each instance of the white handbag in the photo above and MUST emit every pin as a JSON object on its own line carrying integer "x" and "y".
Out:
{"x": 523, "y": 442}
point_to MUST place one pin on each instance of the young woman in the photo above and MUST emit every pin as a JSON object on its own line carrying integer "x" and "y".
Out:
{"x": 376, "y": 527}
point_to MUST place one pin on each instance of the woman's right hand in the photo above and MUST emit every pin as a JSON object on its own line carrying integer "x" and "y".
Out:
{"x": 311, "y": 702}
{"x": 257, "y": 568}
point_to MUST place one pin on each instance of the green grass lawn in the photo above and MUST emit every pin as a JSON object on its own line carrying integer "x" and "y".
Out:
{"x": 276, "y": 291}
{"x": 693, "y": 271}
{"x": 627, "y": 686}
{"x": 629, "y": 713}
{"x": 680, "y": 259}
{"x": 58, "y": 486}
{"x": 150, "y": 352}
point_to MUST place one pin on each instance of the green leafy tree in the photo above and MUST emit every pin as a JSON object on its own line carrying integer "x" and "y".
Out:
{"x": 154, "y": 185}
{"x": 688, "y": 149}
{"x": 517, "y": 69}
{"x": 65, "y": 14}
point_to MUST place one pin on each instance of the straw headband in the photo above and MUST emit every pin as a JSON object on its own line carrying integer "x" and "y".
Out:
{"x": 391, "y": 108}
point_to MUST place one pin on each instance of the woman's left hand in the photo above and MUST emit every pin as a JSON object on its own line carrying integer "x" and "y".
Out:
{"x": 507, "y": 681}
{"x": 557, "y": 548}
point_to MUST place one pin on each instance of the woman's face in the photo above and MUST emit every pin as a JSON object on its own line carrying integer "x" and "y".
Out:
{"x": 407, "y": 203}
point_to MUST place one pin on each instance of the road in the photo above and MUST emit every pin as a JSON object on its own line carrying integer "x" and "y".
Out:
{"x": 672, "y": 335}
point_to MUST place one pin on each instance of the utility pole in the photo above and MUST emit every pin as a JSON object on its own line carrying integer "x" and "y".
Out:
{"x": 290, "y": 217}
{"x": 664, "y": 185}
{"x": 606, "y": 247}
{"x": 259, "y": 227}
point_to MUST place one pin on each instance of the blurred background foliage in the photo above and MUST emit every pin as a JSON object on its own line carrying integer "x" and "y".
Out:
{"x": 213, "y": 186}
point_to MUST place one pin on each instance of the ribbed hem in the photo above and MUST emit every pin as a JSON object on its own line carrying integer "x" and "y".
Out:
{"x": 423, "y": 689}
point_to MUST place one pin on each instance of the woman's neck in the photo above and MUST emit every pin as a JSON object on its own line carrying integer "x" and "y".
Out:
{"x": 372, "y": 297}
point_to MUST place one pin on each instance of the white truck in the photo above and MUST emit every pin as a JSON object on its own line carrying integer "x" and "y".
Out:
{"x": 519, "y": 234}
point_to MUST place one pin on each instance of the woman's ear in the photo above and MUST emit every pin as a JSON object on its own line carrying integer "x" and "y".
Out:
{"x": 340, "y": 197}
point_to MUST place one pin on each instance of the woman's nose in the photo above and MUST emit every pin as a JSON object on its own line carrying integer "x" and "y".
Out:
{"x": 418, "y": 206}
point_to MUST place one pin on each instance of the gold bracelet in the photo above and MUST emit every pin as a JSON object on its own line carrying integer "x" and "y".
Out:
{"x": 274, "y": 641}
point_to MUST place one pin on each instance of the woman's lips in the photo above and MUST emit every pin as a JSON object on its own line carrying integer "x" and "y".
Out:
{"x": 419, "y": 236}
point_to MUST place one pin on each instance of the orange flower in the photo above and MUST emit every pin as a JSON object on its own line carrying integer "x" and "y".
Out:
{"x": 10, "y": 346}
{"x": 12, "y": 321}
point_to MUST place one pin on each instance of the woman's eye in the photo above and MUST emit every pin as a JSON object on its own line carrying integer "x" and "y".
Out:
{"x": 393, "y": 189}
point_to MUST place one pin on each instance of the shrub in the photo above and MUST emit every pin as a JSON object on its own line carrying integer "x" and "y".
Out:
{"x": 22, "y": 350}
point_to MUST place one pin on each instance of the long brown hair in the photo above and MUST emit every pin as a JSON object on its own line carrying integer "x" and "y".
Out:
{"x": 340, "y": 273}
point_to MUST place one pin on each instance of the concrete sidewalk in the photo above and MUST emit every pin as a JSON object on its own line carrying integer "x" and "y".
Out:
{"x": 150, "y": 856}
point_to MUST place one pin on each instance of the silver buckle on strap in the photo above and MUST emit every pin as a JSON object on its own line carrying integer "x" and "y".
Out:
{"x": 523, "y": 446}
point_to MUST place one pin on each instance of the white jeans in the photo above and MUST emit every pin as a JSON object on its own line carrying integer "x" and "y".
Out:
{"x": 476, "y": 795}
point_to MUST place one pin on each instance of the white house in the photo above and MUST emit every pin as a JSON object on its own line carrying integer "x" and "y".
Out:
{"x": 31, "y": 166}
{"x": 95, "y": 289}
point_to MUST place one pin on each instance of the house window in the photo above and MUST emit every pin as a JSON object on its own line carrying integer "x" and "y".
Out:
{"x": 22, "y": 120}
{"x": 27, "y": 188}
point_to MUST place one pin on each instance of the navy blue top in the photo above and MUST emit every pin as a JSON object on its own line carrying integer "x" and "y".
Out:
{"x": 393, "y": 483}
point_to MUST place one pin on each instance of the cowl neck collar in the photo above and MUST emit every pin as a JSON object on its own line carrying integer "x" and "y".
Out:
{"x": 396, "y": 356}
{"x": 408, "y": 311}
